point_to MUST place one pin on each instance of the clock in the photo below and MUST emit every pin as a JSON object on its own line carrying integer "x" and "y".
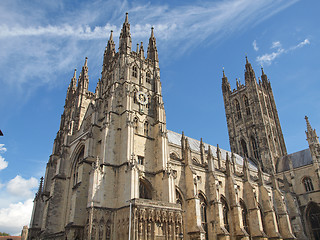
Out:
{"x": 142, "y": 98}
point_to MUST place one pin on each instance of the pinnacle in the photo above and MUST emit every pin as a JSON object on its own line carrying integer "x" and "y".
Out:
{"x": 86, "y": 62}
{"x": 75, "y": 73}
{"x": 111, "y": 36}
{"x": 126, "y": 20}
{"x": 262, "y": 71}
{"x": 152, "y": 34}
{"x": 224, "y": 75}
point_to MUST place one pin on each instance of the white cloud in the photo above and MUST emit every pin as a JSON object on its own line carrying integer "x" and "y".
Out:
{"x": 301, "y": 44}
{"x": 255, "y": 46}
{"x": 3, "y": 163}
{"x": 276, "y": 44}
{"x": 269, "y": 57}
{"x": 19, "y": 186}
{"x": 14, "y": 217}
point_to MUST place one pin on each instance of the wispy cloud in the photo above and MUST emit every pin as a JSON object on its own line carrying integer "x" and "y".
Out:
{"x": 3, "y": 163}
{"x": 276, "y": 44}
{"x": 268, "y": 58}
{"x": 45, "y": 47}
{"x": 255, "y": 46}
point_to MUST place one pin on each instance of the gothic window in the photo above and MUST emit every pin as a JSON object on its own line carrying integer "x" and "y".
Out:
{"x": 146, "y": 128}
{"x": 135, "y": 97}
{"x": 244, "y": 214}
{"x": 203, "y": 212}
{"x": 308, "y": 184}
{"x": 148, "y": 77}
{"x": 135, "y": 125}
{"x": 134, "y": 71}
{"x": 244, "y": 148}
{"x": 313, "y": 216}
{"x": 178, "y": 197}
{"x": 246, "y": 104}
{"x": 149, "y": 102}
{"x": 237, "y": 107}
{"x": 144, "y": 190}
{"x": 255, "y": 148}
{"x": 225, "y": 211}
{"x": 76, "y": 167}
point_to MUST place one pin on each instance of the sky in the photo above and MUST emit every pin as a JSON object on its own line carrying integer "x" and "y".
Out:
{"x": 42, "y": 42}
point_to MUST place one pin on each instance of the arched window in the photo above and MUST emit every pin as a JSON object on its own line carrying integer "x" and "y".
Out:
{"x": 244, "y": 214}
{"x": 308, "y": 184}
{"x": 203, "y": 212}
{"x": 255, "y": 148}
{"x": 178, "y": 197}
{"x": 76, "y": 167}
{"x": 246, "y": 104}
{"x": 244, "y": 148}
{"x": 144, "y": 190}
{"x": 313, "y": 217}
{"x": 134, "y": 71}
{"x": 225, "y": 211}
{"x": 237, "y": 107}
{"x": 148, "y": 77}
{"x": 146, "y": 128}
{"x": 135, "y": 125}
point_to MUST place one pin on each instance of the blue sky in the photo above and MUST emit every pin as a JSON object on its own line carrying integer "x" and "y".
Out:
{"x": 42, "y": 42}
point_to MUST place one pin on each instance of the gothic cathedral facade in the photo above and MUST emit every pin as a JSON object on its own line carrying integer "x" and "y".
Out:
{"x": 116, "y": 172}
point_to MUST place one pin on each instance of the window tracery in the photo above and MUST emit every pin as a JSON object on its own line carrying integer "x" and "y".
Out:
{"x": 134, "y": 71}
{"x": 308, "y": 184}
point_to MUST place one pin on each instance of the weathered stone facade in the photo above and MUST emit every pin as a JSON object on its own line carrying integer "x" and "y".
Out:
{"x": 116, "y": 172}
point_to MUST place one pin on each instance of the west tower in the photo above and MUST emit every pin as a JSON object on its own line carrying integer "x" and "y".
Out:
{"x": 252, "y": 119}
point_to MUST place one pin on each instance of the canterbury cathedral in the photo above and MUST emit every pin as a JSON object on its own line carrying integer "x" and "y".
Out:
{"x": 116, "y": 172}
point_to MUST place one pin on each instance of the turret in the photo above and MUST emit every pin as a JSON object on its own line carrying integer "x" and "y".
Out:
{"x": 152, "y": 48}
{"x": 125, "y": 37}
{"x": 225, "y": 84}
{"x": 109, "y": 52}
{"x": 83, "y": 81}
{"x": 249, "y": 74}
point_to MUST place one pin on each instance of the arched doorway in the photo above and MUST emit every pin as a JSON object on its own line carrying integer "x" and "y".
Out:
{"x": 313, "y": 218}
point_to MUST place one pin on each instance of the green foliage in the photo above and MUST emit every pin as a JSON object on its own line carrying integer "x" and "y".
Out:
{"x": 4, "y": 234}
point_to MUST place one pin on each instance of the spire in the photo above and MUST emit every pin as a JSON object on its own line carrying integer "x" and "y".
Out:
{"x": 225, "y": 83}
{"x": 249, "y": 74}
{"x": 125, "y": 37}
{"x": 312, "y": 136}
{"x": 74, "y": 80}
{"x": 152, "y": 52}
{"x": 83, "y": 81}
{"x": 141, "y": 52}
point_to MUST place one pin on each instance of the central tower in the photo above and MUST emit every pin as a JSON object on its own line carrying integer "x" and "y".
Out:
{"x": 252, "y": 118}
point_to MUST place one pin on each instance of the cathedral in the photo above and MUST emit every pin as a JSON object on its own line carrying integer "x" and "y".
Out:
{"x": 116, "y": 172}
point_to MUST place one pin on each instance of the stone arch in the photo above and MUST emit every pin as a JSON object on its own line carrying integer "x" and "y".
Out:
{"x": 77, "y": 157}
{"x": 225, "y": 213}
{"x": 313, "y": 220}
{"x": 196, "y": 161}
{"x": 145, "y": 189}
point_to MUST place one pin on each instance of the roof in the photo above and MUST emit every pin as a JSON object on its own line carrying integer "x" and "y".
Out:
{"x": 298, "y": 159}
{"x": 175, "y": 138}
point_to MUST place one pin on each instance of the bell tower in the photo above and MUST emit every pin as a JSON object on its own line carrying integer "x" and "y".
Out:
{"x": 252, "y": 118}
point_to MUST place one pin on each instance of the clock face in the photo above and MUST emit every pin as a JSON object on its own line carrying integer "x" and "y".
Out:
{"x": 142, "y": 98}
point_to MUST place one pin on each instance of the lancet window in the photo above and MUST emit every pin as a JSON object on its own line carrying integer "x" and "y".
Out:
{"x": 244, "y": 214}
{"x": 255, "y": 147}
{"x": 238, "y": 110}
{"x": 148, "y": 77}
{"x": 225, "y": 211}
{"x": 135, "y": 125}
{"x": 134, "y": 71}
{"x": 203, "y": 212}
{"x": 308, "y": 184}
{"x": 244, "y": 148}
{"x": 76, "y": 167}
{"x": 146, "y": 128}
{"x": 246, "y": 104}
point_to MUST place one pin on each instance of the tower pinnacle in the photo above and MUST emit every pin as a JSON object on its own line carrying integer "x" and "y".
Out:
{"x": 152, "y": 52}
